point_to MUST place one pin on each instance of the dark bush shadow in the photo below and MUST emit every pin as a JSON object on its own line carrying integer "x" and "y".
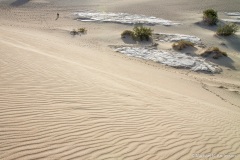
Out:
{"x": 233, "y": 41}
{"x": 189, "y": 51}
{"x": 128, "y": 40}
{"x": 223, "y": 61}
{"x": 206, "y": 26}
{"x": 145, "y": 42}
{"x": 19, "y": 3}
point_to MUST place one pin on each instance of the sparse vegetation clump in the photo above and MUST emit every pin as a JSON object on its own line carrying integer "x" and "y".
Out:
{"x": 182, "y": 44}
{"x": 79, "y": 31}
{"x": 139, "y": 33}
{"x": 210, "y": 16}
{"x": 142, "y": 33}
{"x": 227, "y": 29}
{"x": 74, "y": 32}
{"x": 215, "y": 52}
{"x": 82, "y": 30}
{"x": 127, "y": 33}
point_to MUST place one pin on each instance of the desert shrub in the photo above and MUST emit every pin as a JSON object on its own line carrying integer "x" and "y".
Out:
{"x": 78, "y": 31}
{"x": 182, "y": 44}
{"x": 215, "y": 51}
{"x": 142, "y": 33}
{"x": 227, "y": 29}
{"x": 73, "y": 32}
{"x": 210, "y": 17}
{"x": 127, "y": 33}
{"x": 82, "y": 30}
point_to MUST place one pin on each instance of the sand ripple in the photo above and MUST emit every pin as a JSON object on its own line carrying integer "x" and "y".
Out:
{"x": 53, "y": 108}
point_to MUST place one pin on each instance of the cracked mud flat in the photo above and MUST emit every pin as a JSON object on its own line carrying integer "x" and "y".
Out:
{"x": 123, "y": 18}
{"x": 167, "y": 37}
{"x": 234, "y": 17}
{"x": 170, "y": 58}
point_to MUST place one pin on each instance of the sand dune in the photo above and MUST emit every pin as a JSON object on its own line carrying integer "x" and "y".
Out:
{"x": 64, "y": 97}
{"x": 67, "y": 110}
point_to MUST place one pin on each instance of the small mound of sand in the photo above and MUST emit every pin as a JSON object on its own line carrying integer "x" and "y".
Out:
{"x": 214, "y": 52}
{"x": 182, "y": 44}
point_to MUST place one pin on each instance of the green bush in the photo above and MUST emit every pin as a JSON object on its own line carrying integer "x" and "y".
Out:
{"x": 142, "y": 33}
{"x": 127, "y": 33}
{"x": 227, "y": 29}
{"x": 82, "y": 30}
{"x": 182, "y": 44}
{"x": 139, "y": 33}
{"x": 210, "y": 16}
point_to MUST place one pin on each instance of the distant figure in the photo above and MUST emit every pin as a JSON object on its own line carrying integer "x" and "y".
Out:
{"x": 57, "y": 16}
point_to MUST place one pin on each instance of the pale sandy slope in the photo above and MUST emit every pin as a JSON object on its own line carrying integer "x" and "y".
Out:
{"x": 64, "y": 97}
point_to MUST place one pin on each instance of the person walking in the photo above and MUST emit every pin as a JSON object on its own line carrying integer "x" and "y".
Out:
{"x": 57, "y": 16}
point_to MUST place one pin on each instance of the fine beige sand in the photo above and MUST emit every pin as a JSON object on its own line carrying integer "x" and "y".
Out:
{"x": 72, "y": 97}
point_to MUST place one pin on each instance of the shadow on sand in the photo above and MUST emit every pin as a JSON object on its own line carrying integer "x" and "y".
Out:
{"x": 233, "y": 41}
{"x": 205, "y": 26}
{"x": 19, "y": 3}
{"x": 128, "y": 40}
{"x": 210, "y": 27}
{"x": 189, "y": 51}
{"x": 223, "y": 61}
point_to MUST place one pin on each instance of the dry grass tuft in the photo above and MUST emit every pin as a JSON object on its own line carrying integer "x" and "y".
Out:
{"x": 182, "y": 44}
{"x": 215, "y": 52}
